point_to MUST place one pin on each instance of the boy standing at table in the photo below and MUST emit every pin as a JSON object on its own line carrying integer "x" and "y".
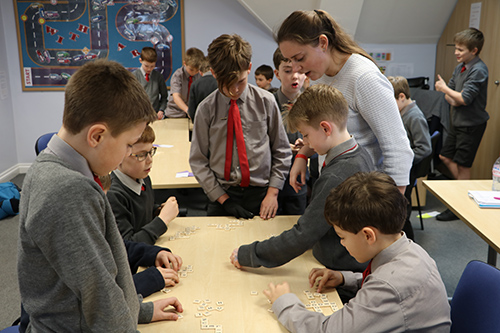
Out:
{"x": 290, "y": 202}
{"x": 201, "y": 88}
{"x": 401, "y": 289}
{"x": 73, "y": 270}
{"x": 180, "y": 83}
{"x": 132, "y": 197}
{"x": 152, "y": 81}
{"x": 466, "y": 93}
{"x": 320, "y": 114}
{"x": 239, "y": 152}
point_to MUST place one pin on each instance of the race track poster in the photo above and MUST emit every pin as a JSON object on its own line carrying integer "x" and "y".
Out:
{"x": 56, "y": 37}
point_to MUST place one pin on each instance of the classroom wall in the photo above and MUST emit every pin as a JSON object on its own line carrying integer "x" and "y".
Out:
{"x": 27, "y": 115}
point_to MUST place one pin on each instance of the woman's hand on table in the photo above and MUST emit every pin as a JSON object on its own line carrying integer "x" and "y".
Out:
{"x": 234, "y": 258}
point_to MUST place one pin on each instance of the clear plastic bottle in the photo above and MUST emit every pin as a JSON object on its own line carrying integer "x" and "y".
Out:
{"x": 496, "y": 175}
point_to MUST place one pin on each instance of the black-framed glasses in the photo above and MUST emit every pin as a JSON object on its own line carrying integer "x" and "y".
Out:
{"x": 142, "y": 156}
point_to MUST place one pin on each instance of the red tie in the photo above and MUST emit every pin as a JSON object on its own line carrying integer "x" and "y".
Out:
{"x": 98, "y": 181}
{"x": 367, "y": 272}
{"x": 463, "y": 69}
{"x": 234, "y": 126}
{"x": 147, "y": 77}
{"x": 189, "y": 85}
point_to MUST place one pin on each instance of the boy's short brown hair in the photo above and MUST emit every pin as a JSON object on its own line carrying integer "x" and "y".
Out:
{"x": 103, "y": 91}
{"x": 265, "y": 70}
{"x": 471, "y": 38}
{"x": 400, "y": 85}
{"x": 318, "y": 103}
{"x": 229, "y": 55}
{"x": 148, "y": 136}
{"x": 194, "y": 57}
{"x": 148, "y": 54}
{"x": 367, "y": 199}
{"x": 278, "y": 58}
{"x": 205, "y": 66}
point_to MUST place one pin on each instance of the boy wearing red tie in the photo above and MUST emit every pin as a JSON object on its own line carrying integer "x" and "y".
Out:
{"x": 239, "y": 152}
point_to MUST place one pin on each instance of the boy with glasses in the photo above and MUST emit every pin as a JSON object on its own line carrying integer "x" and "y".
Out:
{"x": 131, "y": 195}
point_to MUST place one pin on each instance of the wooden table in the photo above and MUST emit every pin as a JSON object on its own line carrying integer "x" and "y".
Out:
{"x": 213, "y": 277}
{"x": 168, "y": 161}
{"x": 484, "y": 222}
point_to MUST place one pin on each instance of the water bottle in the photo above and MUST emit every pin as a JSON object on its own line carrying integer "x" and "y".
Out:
{"x": 496, "y": 175}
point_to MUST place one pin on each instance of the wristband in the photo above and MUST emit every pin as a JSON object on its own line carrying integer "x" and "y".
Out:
{"x": 301, "y": 156}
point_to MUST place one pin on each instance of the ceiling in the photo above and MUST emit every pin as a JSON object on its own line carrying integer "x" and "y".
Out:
{"x": 369, "y": 21}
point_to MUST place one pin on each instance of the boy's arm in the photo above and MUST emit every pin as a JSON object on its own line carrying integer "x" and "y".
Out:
{"x": 148, "y": 234}
{"x": 421, "y": 139}
{"x": 291, "y": 243}
{"x": 163, "y": 93}
{"x": 141, "y": 254}
{"x": 180, "y": 102}
{"x": 454, "y": 98}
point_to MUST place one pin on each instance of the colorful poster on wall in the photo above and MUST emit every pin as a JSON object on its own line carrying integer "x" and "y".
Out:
{"x": 56, "y": 37}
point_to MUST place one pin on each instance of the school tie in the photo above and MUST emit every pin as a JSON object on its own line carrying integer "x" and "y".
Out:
{"x": 189, "y": 85}
{"x": 324, "y": 165}
{"x": 98, "y": 181}
{"x": 463, "y": 69}
{"x": 367, "y": 272}
{"x": 234, "y": 126}
{"x": 147, "y": 77}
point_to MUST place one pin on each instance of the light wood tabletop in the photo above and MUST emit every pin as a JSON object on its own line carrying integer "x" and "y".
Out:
{"x": 210, "y": 277}
{"x": 484, "y": 221}
{"x": 172, "y": 155}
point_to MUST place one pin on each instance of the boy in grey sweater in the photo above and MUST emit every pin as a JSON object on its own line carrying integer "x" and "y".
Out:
{"x": 73, "y": 271}
{"x": 320, "y": 114}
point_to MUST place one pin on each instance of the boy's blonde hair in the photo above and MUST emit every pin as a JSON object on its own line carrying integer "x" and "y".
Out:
{"x": 148, "y": 136}
{"x": 471, "y": 38}
{"x": 194, "y": 57}
{"x": 148, "y": 54}
{"x": 318, "y": 103}
{"x": 367, "y": 199}
{"x": 103, "y": 91}
{"x": 229, "y": 56}
{"x": 400, "y": 85}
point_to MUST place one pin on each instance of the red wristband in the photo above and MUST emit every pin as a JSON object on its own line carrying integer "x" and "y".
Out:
{"x": 301, "y": 156}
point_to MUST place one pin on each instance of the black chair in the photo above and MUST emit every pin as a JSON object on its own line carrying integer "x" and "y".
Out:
{"x": 422, "y": 169}
{"x": 418, "y": 82}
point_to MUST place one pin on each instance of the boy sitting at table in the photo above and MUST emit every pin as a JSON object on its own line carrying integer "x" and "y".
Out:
{"x": 401, "y": 289}
{"x": 131, "y": 195}
{"x": 320, "y": 114}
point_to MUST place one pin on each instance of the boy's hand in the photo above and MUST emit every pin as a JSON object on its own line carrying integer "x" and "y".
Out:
{"x": 269, "y": 205}
{"x": 328, "y": 277}
{"x": 299, "y": 143}
{"x": 275, "y": 291}
{"x": 169, "y": 210}
{"x": 299, "y": 168}
{"x": 167, "y": 259}
{"x": 234, "y": 258}
{"x": 162, "y": 312}
{"x": 440, "y": 84}
{"x": 169, "y": 275}
{"x": 236, "y": 210}
{"x": 160, "y": 115}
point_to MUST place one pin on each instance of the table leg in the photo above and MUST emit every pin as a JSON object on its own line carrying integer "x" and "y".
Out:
{"x": 492, "y": 256}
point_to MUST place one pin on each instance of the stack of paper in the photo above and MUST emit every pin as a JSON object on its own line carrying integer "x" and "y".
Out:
{"x": 486, "y": 199}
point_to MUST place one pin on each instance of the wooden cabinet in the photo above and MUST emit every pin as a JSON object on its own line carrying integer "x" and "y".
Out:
{"x": 489, "y": 149}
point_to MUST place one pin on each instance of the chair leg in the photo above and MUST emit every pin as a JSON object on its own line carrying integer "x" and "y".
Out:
{"x": 419, "y": 208}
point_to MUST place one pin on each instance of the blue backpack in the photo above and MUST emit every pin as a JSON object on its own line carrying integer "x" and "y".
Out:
{"x": 9, "y": 199}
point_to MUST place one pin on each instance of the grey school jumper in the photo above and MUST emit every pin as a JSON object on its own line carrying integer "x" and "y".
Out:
{"x": 73, "y": 271}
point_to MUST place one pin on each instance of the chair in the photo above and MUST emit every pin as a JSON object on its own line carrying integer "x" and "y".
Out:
{"x": 418, "y": 82}
{"x": 422, "y": 169}
{"x": 42, "y": 141}
{"x": 475, "y": 306}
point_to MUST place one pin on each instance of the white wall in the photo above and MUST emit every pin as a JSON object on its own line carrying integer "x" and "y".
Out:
{"x": 26, "y": 115}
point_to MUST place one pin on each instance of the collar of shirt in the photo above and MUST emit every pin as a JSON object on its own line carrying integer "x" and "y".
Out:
{"x": 472, "y": 62}
{"x": 242, "y": 97}
{"x": 282, "y": 98}
{"x": 391, "y": 251}
{"x": 408, "y": 107}
{"x": 143, "y": 72}
{"x": 345, "y": 147}
{"x": 64, "y": 151}
{"x": 131, "y": 183}
{"x": 186, "y": 74}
